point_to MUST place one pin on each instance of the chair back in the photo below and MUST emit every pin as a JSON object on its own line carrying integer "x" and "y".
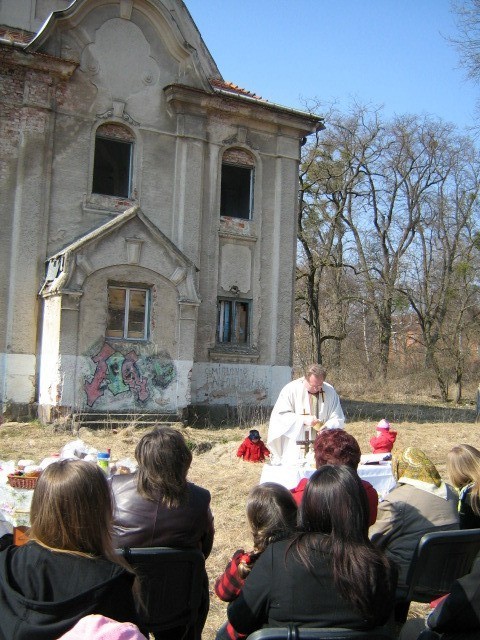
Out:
{"x": 441, "y": 558}
{"x": 171, "y": 586}
{"x": 293, "y": 632}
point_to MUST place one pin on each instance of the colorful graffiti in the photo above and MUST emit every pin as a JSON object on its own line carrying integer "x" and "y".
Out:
{"x": 121, "y": 373}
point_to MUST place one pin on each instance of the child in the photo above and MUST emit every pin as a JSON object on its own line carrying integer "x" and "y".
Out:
{"x": 385, "y": 438}
{"x": 272, "y": 515}
{"x": 252, "y": 448}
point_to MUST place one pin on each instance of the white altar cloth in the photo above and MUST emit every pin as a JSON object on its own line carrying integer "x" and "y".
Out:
{"x": 379, "y": 475}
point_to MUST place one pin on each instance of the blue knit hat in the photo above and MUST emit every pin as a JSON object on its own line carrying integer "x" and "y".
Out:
{"x": 254, "y": 435}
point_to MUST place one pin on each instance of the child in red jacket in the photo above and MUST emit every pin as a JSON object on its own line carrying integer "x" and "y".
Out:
{"x": 252, "y": 448}
{"x": 384, "y": 440}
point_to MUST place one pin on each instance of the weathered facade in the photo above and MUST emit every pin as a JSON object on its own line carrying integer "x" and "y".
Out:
{"x": 148, "y": 218}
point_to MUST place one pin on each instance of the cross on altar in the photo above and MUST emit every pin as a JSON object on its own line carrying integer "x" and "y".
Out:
{"x": 306, "y": 444}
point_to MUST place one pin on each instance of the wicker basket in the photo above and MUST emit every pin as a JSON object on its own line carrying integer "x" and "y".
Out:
{"x": 22, "y": 482}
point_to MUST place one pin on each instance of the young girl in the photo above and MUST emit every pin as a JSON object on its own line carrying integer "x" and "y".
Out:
{"x": 68, "y": 569}
{"x": 272, "y": 515}
{"x": 463, "y": 467}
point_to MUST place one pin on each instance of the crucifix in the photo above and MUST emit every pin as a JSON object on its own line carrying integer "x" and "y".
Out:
{"x": 307, "y": 441}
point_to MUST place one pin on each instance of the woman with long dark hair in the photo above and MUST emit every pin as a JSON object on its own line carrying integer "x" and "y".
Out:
{"x": 329, "y": 574}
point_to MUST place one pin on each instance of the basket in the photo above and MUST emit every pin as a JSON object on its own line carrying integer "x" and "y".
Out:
{"x": 22, "y": 482}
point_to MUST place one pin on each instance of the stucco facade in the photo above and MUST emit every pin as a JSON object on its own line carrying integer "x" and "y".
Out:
{"x": 148, "y": 216}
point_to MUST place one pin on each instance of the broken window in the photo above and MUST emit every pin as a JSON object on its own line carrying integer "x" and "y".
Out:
{"x": 233, "y": 321}
{"x": 236, "y": 198}
{"x": 112, "y": 165}
{"x": 128, "y": 313}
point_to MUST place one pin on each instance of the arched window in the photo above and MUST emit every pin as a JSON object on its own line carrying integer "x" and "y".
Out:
{"x": 238, "y": 174}
{"x": 112, "y": 166}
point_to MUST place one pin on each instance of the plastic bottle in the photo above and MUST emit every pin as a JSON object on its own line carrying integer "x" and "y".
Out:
{"x": 103, "y": 460}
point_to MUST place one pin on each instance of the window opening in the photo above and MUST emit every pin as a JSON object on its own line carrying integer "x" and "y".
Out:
{"x": 128, "y": 313}
{"x": 233, "y": 321}
{"x": 112, "y": 167}
{"x": 236, "y": 199}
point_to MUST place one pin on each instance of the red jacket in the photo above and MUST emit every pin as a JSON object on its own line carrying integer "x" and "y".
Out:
{"x": 383, "y": 442}
{"x": 253, "y": 451}
{"x": 372, "y": 497}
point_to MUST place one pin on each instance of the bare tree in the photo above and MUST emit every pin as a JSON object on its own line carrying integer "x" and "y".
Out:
{"x": 399, "y": 164}
{"x": 320, "y": 235}
{"x": 440, "y": 280}
{"x": 467, "y": 43}
{"x": 387, "y": 210}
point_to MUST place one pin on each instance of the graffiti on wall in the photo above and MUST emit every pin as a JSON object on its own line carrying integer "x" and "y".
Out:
{"x": 130, "y": 373}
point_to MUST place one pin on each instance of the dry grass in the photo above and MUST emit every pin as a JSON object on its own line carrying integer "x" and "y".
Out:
{"x": 228, "y": 478}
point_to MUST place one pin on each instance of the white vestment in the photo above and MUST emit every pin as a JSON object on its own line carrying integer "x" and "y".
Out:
{"x": 287, "y": 420}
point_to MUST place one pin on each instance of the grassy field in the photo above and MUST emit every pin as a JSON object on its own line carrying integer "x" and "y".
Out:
{"x": 216, "y": 467}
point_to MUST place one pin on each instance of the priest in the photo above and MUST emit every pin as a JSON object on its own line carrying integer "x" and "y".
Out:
{"x": 304, "y": 406}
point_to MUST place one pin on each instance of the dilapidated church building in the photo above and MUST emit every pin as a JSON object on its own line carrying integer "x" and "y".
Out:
{"x": 148, "y": 216}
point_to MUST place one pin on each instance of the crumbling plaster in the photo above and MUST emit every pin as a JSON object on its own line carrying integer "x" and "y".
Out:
{"x": 142, "y": 64}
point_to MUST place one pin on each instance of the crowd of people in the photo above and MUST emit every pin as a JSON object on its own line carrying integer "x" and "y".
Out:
{"x": 324, "y": 554}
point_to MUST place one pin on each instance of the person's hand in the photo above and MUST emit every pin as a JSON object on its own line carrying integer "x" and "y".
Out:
{"x": 309, "y": 421}
{"x": 318, "y": 425}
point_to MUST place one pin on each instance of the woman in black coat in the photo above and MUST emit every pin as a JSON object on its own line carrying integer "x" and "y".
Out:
{"x": 68, "y": 569}
{"x": 329, "y": 574}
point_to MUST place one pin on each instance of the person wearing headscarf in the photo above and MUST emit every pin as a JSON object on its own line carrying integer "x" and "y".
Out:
{"x": 420, "y": 503}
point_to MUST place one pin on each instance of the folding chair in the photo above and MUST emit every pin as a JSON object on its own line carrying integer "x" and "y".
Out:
{"x": 293, "y": 632}
{"x": 172, "y": 582}
{"x": 441, "y": 557}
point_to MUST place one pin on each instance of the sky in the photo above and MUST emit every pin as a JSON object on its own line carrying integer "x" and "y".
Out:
{"x": 389, "y": 53}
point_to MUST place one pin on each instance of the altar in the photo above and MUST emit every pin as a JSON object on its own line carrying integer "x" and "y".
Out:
{"x": 379, "y": 474}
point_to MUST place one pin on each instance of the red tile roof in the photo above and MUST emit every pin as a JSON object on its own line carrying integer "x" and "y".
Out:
{"x": 233, "y": 88}
{"x": 15, "y": 35}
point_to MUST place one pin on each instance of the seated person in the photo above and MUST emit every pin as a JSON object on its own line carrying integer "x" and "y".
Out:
{"x": 272, "y": 515}
{"x": 328, "y": 574}
{"x": 421, "y": 502}
{"x": 463, "y": 468}
{"x": 456, "y": 617}
{"x": 157, "y": 507}
{"x": 384, "y": 439}
{"x": 336, "y": 446}
{"x": 253, "y": 448}
{"x": 68, "y": 569}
